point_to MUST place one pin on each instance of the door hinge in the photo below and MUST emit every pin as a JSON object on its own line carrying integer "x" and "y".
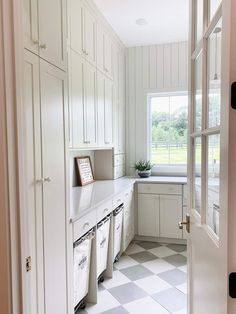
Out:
{"x": 28, "y": 263}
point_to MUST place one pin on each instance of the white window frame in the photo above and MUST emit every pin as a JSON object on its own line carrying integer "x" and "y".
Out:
{"x": 164, "y": 170}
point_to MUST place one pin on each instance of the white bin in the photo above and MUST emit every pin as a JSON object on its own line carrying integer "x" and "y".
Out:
{"x": 118, "y": 219}
{"x": 82, "y": 257}
{"x": 103, "y": 230}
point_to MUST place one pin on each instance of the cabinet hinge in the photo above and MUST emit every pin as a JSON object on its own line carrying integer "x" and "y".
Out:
{"x": 28, "y": 263}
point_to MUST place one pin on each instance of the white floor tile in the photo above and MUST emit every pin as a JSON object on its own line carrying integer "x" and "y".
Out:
{"x": 105, "y": 302}
{"x": 145, "y": 305}
{"x": 158, "y": 266}
{"x": 162, "y": 251}
{"x": 183, "y": 268}
{"x": 125, "y": 261}
{"x": 134, "y": 248}
{"x": 152, "y": 284}
{"x": 117, "y": 280}
{"x": 182, "y": 288}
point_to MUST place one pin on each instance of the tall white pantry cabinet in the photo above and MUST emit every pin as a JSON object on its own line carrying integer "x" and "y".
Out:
{"x": 74, "y": 98}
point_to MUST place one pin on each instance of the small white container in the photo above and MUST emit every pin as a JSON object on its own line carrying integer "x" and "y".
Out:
{"x": 82, "y": 257}
{"x": 103, "y": 231}
{"x": 117, "y": 232}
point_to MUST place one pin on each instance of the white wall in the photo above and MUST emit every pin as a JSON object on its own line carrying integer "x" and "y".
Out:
{"x": 150, "y": 69}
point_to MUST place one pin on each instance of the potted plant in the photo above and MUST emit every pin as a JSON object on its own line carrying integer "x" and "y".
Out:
{"x": 144, "y": 168}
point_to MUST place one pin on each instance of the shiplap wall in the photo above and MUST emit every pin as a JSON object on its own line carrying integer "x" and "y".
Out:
{"x": 150, "y": 69}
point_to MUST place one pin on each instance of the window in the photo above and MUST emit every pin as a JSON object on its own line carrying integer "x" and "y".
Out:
{"x": 168, "y": 134}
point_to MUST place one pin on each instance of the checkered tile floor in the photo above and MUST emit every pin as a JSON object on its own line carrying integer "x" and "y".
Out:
{"x": 149, "y": 278}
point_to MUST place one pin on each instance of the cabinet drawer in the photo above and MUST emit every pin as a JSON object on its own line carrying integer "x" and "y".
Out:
{"x": 119, "y": 171}
{"x": 104, "y": 210}
{"x": 83, "y": 225}
{"x": 119, "y": 160}
{"x": 160, "y": 188}
{"x": 118, "y": 200}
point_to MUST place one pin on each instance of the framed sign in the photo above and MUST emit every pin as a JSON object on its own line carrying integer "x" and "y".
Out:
{"x": 85, "y": 171}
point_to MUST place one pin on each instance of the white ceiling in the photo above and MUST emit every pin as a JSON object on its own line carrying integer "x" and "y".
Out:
{"x": 167, "y": 20}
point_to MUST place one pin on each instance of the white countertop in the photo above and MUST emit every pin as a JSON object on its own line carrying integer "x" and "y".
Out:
{"x": 85, "y": 199}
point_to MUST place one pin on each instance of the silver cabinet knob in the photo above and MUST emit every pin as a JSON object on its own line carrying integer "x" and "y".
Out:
{"x": 43, "y": 180}
{"x": 43, "y": 46}
{"x": 35, "y": 42}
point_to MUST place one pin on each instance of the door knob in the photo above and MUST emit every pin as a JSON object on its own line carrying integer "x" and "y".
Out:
{"x": 185, "y": 223}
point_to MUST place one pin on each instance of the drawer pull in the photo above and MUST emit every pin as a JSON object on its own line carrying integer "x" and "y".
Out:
{"x": 86, "y": 225}
{"x": 119, "y": 200}
{"x": 105, "y": 210}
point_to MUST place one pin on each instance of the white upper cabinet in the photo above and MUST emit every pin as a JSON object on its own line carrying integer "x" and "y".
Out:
{"x": 83, "y": 30}
{"x": 31, "y": 36}
{"x": 90, "y": 106}
{"x": 45, "y": 30}
{"x": 83, "y": 104}
{"x": 104, "y": 51}
{"x": 105, "y": 110}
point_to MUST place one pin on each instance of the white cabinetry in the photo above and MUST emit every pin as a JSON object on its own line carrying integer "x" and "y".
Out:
{"x": 45, "y": 185}
{"x": 45, "y": 29}
{"x": 160, "y": 208}
{"x": 105, "y": 110}
{"x": 148, "y": 215}
{"x": 83, "y": 30}
{"x": 128, "y": 224}
{"x": 82, "y": 102}
{"x": 104, "y": 51}
{"x": 170, "y": 215}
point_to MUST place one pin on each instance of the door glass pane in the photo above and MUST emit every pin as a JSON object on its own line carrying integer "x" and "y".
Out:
{"x": 214, "y": 76}
{"x": 214, "y": 5}
{"x": 197, "y": 173}
{"x": 213, "y": 182}
{"x": 198, "y": 93}
{"x": 199, "y": 21}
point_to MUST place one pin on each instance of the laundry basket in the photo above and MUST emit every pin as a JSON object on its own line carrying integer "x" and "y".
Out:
{"x": 118, "y": 218}
{"x": 82, "y": 257}
{"x": 103, "y": 230}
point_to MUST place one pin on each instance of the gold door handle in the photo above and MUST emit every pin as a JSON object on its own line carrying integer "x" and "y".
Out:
{"x": 185, "y": 223}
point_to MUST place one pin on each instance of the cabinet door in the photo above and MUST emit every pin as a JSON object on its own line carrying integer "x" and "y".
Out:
{"x": 76, "y": 25}
{"x": 170, "y": 215}
{"x": 148, "y": 215}
{"x": 33, "y": 287}
{"x": 108, "y": 112}
{"x": 128, "y": 229}
{"x": 90, "y": 36}
{"x": 116, "y": 102}
{"x": 52, "y": 31}
{"x": 53, "y": 97}
{"x": 122, "y": 108}
{"x": 100, "y": 48}
{"x": 108, "y": 66}
{"x": 77, "y": 100}
{"x": 90, "y": 106}
{"x": 101, "y": 108}
{"x": 30, "y": 19}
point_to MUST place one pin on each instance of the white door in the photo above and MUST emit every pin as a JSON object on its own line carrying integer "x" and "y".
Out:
{"x": 108, "y": 55}
{"x": 90, "y": 36}
{"x": 53, "y": 97}
{"x": 207, "y": 243}
{"x": 76, "y": 25}
{"x": 32, "y": 242}
{"x": 52, "y": 31}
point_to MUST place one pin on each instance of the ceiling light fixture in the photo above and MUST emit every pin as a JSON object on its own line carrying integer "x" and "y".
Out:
{"x": 141, "y": 22}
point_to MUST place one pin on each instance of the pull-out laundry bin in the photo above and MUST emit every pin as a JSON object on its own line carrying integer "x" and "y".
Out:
{"x": 103, "y": 231}
{"x": 117, "y": 232}
{"x": 82, "y": 257}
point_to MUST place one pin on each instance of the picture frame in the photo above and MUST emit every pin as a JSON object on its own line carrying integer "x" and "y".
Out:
{"x": 85, "y": 171}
